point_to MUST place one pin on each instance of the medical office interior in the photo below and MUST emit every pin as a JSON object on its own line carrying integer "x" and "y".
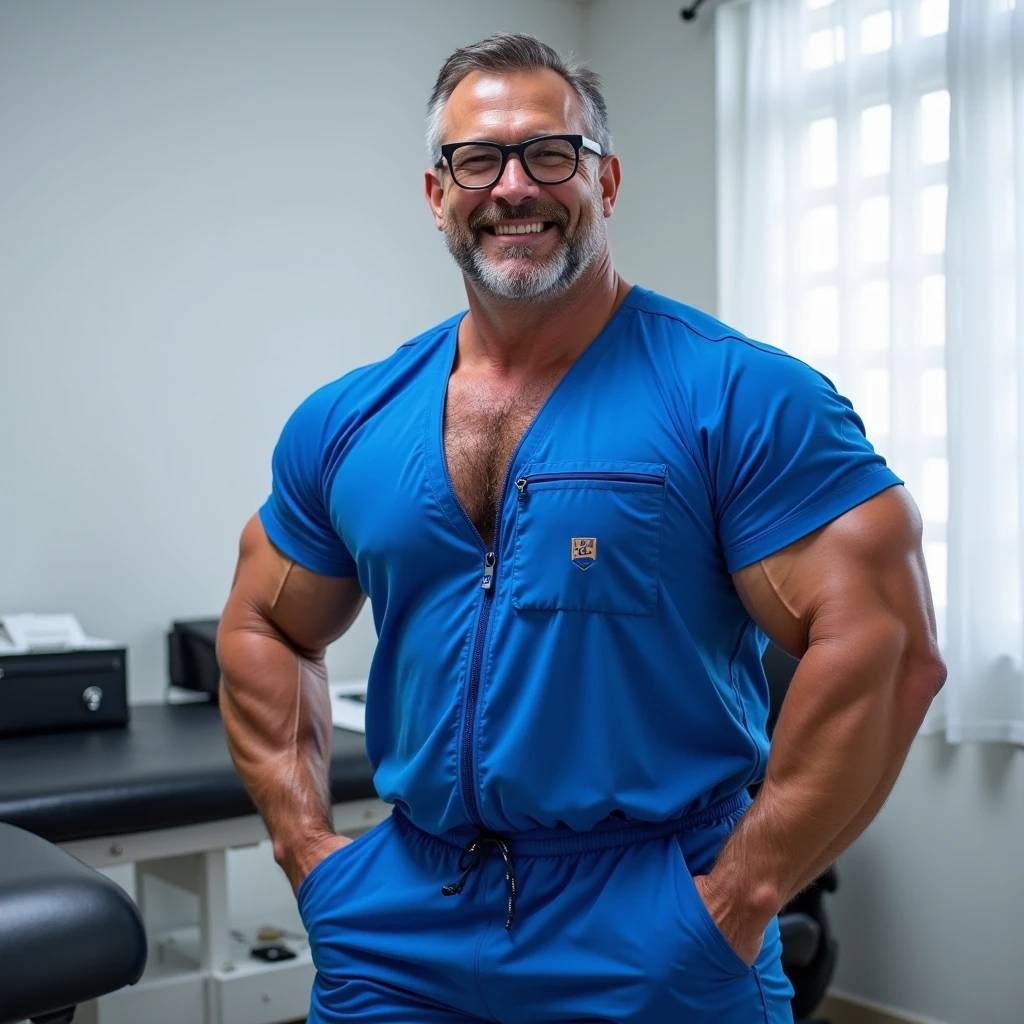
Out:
{"x": 209, "y": 209}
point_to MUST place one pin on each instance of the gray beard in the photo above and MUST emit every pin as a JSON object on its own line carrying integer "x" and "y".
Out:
{"x": 560, "y": 271}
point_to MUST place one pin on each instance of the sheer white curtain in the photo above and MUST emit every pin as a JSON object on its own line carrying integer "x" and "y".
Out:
{"x": 985, "y": 360}
{"x": 834, "y": 248}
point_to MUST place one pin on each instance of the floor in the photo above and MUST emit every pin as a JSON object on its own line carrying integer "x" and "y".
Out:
{"x": 838, "y": 1011}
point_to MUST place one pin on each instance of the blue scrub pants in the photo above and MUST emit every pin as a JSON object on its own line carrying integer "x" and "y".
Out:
{"x": 608, "y": 926}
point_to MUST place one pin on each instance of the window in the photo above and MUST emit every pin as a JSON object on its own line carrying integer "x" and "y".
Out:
{"x": 850, "y": 133}
{"x": 853, "y": 242}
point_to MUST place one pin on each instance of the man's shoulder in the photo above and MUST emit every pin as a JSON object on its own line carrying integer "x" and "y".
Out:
{"x": 708, "y": 341}
{"x": 689, "y": 321}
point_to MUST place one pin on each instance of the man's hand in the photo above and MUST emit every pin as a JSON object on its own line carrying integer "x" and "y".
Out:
{"x": 298, "y": 862}
{"x": 741, "y": 922}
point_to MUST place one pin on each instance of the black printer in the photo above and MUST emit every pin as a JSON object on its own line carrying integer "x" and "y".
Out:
{"x": 52, "y": 677}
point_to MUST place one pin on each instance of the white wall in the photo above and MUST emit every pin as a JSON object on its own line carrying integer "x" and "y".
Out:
{"x": 190, "y": 244}
{"x": 931, "y": 910}
{"x": 659, "y": 77}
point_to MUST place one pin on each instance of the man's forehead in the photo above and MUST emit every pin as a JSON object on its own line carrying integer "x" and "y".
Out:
{"x": 488, "y": 104}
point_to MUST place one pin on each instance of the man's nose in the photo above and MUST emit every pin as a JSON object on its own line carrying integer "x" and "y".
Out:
{"x": 515, "y": 184}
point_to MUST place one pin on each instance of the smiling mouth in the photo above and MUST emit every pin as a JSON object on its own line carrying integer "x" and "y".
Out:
{"x": 526, "y": 229}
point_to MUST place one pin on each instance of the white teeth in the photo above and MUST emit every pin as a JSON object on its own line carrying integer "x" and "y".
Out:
{"x": 518, "y": 229}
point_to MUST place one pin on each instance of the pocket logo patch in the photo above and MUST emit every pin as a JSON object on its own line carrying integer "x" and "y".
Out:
{"x": 584, "y": 551}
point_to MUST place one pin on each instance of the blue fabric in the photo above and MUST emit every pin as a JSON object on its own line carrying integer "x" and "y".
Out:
{"x": 610, "y": 668}
{"x": 616, "y": 933}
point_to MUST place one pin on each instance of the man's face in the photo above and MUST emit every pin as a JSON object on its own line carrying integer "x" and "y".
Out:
{"x": 508, "y": 109}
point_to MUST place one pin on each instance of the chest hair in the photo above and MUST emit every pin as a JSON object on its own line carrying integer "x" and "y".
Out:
{"x": 482, "y": 427}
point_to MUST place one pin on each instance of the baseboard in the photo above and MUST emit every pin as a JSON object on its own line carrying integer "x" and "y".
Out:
{"x": 843, "y": 1008}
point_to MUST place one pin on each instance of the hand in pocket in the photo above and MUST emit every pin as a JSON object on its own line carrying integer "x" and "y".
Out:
{"x": 302, "y": 860}
{"x": 739, "y": 928}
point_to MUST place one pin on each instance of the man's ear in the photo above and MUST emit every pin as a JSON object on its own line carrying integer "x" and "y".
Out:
{"x": 434, "y": 190}
{"x": 610, "y": 177}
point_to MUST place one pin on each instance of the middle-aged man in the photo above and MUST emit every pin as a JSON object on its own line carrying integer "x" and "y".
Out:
{"x": 578, "y": 510}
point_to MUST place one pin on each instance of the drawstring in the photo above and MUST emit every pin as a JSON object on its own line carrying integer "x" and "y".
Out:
{"x": 469, "y": 861}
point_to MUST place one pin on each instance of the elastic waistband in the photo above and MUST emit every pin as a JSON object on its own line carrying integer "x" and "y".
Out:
{"x": 606, "y": 835}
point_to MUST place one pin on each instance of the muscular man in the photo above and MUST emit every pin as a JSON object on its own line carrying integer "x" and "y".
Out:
{"x": 578, "y": 511}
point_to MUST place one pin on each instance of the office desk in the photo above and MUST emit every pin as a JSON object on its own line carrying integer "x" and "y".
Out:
{"x": 163, "y": 795}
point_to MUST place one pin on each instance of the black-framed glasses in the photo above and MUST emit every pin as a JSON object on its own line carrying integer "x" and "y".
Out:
{"x": 547, "y": 159}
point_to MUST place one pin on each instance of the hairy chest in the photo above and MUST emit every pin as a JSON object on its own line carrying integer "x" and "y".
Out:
{"x": 483, "y": 424}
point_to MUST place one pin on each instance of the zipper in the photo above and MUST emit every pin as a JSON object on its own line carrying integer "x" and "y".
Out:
{"x": 487, "y": 578}
{"x": 473, "y": 683}
{"x": 630, "y": 478}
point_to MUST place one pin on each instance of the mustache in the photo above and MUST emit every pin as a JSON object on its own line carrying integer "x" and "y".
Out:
{"x": 488, "y": 216}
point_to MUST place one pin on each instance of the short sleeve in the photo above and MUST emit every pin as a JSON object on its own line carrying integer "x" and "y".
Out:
{"x": 296, "y": 516}
{"x": 788, "y": 454}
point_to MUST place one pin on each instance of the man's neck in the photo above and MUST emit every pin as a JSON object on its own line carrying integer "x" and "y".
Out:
{"x": 532, "y": 336}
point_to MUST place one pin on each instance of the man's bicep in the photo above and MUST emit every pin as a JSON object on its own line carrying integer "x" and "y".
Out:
{"x": 863, "y": 570}
{"x": 272, "y": 590}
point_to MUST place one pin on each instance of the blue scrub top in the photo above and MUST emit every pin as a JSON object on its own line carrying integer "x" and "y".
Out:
{"x": 596, "y": 660}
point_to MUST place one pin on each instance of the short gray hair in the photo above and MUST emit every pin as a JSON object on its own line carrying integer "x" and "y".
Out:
{"x": 507, "y": 52}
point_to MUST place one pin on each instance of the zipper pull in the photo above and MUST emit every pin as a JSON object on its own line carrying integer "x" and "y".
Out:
{"x": 521, "y": 485}
{"x": 488, "y": 578}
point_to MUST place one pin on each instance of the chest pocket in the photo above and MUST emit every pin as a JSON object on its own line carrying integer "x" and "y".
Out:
{"x": 588, "y": 537}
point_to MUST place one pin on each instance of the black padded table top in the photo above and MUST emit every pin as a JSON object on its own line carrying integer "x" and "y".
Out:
{"x": 169, "y": 767}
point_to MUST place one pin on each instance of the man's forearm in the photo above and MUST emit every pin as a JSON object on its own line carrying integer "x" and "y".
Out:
{"x": 852, "y": 711}
{"x": 907, "y": 725}
{"x": 277, "y": 717}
